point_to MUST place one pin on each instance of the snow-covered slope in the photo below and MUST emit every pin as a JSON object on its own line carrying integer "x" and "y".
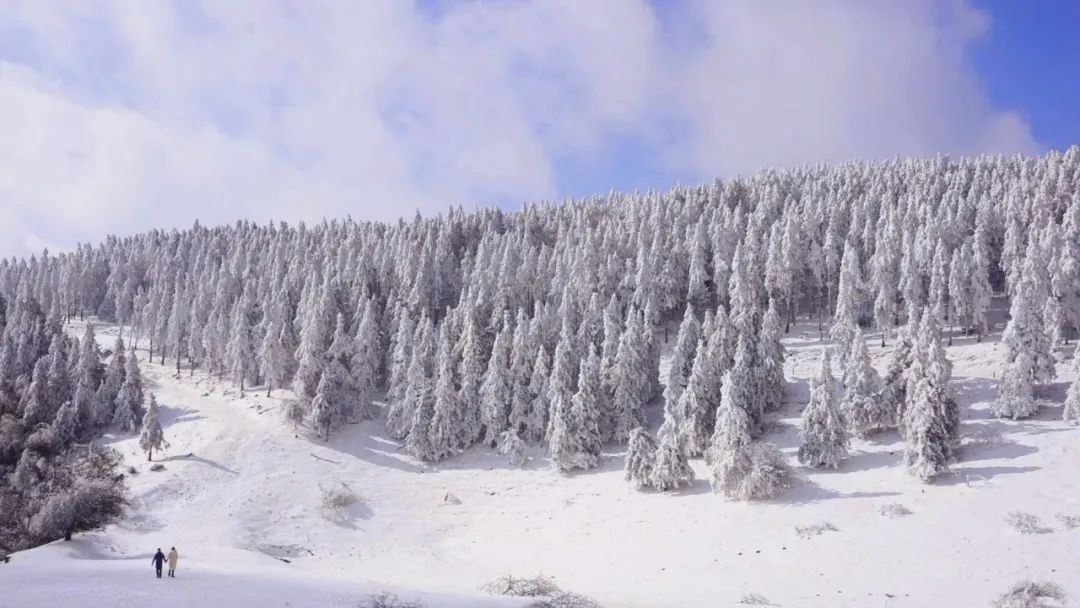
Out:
{"x": 241, "y": 489}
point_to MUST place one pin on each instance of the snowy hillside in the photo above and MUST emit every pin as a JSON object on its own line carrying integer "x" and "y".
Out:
{"x": 240, "y": 489}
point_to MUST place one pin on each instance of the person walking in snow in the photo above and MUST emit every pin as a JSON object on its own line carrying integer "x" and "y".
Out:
{"x": 173, "y": 558}
{"x": 158, "y": 560}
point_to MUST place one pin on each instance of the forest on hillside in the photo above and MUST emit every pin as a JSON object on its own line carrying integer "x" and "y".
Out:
{"x": 545, "y": 325}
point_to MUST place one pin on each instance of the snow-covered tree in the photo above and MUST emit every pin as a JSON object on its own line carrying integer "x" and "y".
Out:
{"x": 672, "y": 468}
{"x": 537, "y": 421}
{"x": 496, "y": 392}
{"x": 640, "y": 458}
{"x": 129, "y": 401}
{"x": 824, "y": 432}
{"x": 152, "y": 437}
{"x": 862, "y": 406}
{"x": 931, "y": 419}
{"x": 770, "y": 361}
{"x": 1071, "y": 411}
{"x": 109, "y": 389}
{"x": 848, "y": 302}
{"x": 513, "y": 447}
{"x": 682, "y": 360}
{"x": 631, "y": 378}
{"x": 1028, "y": 357}
{"x": 445, "y": 432}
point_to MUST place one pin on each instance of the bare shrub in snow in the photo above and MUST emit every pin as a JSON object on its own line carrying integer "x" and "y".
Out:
{"x": 537, "y": 586}
{"x": 753, "y": 599}
{"x": 335, "y": 500}
{"x": 565, "y": 599}
{"x": 513, "y": 447}
{"x": 1025, "y": 523}
{"x": 894, "y": 510}
{"x": 388, "y": 600}
{"x": 1069, "y": 521}
{"x": 814, "y": 530}
{"x": 1029, "y": 594}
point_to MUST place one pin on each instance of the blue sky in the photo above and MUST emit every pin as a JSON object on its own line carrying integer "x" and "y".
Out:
{"x": 123, "y": 116}
{"x": 1029, "y": 60}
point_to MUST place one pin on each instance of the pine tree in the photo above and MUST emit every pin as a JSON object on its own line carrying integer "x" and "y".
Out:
{"x": 128, "y": 409}
{"x": 105, "y": 399}
{"x": 66, "y": 424}
{"x": 1071, "y": 411}
{"x": 727, "y": 454}
{"x": 470, "y": 378}
{"x": 694, "y": 406}
{"x": 399, "y": 418}
{"x": 585, "y": 411}
{"x": 37, "y": 407}
{"x": 672, "y": 468}
{"x": 563, "y": 444}
{"x": 1028, "y": 357}
{"x": 152, "y": 437}
{"x": 496, "y": 392}
{"x": 630, "y": 375}
{"x": 445, "y": 431}
{"x": 894, "y": 385}
{"x": 640, "y": 458}
{"x": 931, "y": 419}
{"x": 824, "y": 433}
{"x": 365, "y": 362}
{"x": 241, "y": 350}
{"x": 770, "y": 361}
{"x": 862, "y": 406}
{"x": 682, "y": 360}
{"x": 848, "y": 302}
{"x": 537, "y": 422}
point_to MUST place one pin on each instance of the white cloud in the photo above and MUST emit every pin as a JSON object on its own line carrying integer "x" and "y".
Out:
{"x": 123, "y": 116}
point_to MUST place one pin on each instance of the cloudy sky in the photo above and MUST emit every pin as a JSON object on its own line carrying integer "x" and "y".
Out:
{"x": 118, "y": 116}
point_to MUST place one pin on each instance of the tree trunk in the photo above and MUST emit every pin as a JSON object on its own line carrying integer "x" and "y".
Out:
{"x": 150, "y": 455}
{"x": 67, "y": 535}
{"x": 268, "y": 388}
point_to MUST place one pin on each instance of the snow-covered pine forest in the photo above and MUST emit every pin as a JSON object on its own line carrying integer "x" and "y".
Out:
{"x": 544, "y": 327}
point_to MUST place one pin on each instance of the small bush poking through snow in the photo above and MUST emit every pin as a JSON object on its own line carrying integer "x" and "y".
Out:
{"x": 536, "y": 586}
{"x": 814, "y": 530}
{"x": 1029, "y": 594}
{"x": 335, "y": 500}
{"x": 388, "y": 600}
{"x": 565, "y": 599}
{"x": 1069, "y": 521}
{"x": 894, "y": 510}
{"x": 539, "y": 587}
{"x": 1025, "y": 523}
{"x": 753, "y": 599}
{"x": 157, "y": 467}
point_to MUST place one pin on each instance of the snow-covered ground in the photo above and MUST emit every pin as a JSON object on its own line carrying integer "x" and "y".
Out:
{"x": 241, "y": 489}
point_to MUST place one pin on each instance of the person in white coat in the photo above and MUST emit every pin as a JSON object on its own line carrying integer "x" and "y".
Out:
{"x": 173, "y": 558}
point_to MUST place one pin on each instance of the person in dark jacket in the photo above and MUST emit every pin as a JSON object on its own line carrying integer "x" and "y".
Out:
{"x": 158, "y": 560}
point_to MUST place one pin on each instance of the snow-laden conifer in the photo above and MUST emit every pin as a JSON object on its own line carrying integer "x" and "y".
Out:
{"x": 682, "y": 359}
{"x": 640, "y": 458}
{"x": 848, "y": 303}
{"x": 129, "y": 400}
{"x": 770, "y": 361}
{"x": 824, "y": 432}
{"x": 863, "y": 407}
{"x": 496, "y": 392}
{"x": 152, "y": 437}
